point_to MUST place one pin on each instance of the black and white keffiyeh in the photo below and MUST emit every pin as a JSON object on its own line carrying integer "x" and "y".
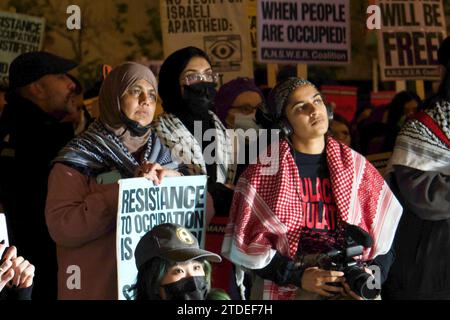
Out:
{"x": 98, "y": 150}
{"x": 186, "y": 149}
{"x": 423, "y": 143}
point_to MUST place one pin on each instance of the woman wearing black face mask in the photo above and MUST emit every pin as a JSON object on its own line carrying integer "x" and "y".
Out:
{"x": 171, "y": 266}
{"x": 187, "y": 86}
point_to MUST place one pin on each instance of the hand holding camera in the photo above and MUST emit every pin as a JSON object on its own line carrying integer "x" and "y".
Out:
{"x": 340, "y": 271}
{"x": 319, "y": 281}
{"x": 346, "y": 259}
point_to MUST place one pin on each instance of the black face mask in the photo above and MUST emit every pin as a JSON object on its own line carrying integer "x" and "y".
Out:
{"x": 192, "y": 288}
{"x": 135, "y": 128}
{"x": 199, "y": 97}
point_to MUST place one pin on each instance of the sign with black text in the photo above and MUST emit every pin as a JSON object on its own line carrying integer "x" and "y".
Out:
{"x": 19, "y": 33}
{"x": 218, "y": 27}
{"x": 143, "y": 205}
{"x": 307, "y": 32}
{"x": 409, "y": 38}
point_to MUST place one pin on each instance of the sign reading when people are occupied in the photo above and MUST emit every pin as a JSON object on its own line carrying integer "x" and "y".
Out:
{"x": 307, "y": 31}
{"x": 143, "y": 205}
{"x": 409, "y": 37}
{"x": 219, "y": 27}
{"x": 18, "y": 34}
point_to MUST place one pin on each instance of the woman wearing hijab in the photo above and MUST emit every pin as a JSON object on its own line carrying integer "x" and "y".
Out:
{"x": 82, "y": 198}
{"x": 187, "y": 86}
{"x": 419, "y": 174}
{"x": 283, "y": 224}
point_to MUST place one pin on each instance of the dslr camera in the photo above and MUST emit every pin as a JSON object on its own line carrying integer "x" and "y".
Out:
{"x": 346, "y": 260}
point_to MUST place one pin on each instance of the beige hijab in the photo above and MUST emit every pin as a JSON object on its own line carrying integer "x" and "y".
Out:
{"x": 113, "y": 88}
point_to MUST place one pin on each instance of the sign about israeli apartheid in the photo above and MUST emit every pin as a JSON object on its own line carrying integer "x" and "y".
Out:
{"x": 409, "y": 38}
{"x": 143, "y": 205}
{"x": 18, "y": 34}
{"x": 219, "y": 27}
{"x": 307, "y": 31}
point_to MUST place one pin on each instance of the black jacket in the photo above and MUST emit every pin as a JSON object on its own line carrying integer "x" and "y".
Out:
{"x": 29, "y": 140}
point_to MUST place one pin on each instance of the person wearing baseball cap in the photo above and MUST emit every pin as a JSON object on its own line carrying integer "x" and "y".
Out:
{"x": 171, "y": 266}
{"x": 39, "y": 96}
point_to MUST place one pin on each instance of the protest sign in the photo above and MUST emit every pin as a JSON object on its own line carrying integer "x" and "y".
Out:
{"x": 344, "y": 99}
{"x": 143, "y": 205}
{"x": 252, "y": 21}
{"x": 381, "y": 98}
{"x": 308, "y": 32}
{"x": 409, "y": 37}
{"x": 219, "y": 27}
{"x": 215, "y": 234}
{"x": 3, "y": 230}
{"x": 18, "y": 34}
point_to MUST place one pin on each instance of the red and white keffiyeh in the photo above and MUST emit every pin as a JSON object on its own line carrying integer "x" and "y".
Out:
{"x": 266, "y": 215}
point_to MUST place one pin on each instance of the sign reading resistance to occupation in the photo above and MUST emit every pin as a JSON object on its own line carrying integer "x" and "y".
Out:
{"x": 142, "y": 205}
{"x": 219, "y": 27}
{"x": 410, "y": 35}
{"x": 18, "y": 34}
{"x": 307, "y": 31}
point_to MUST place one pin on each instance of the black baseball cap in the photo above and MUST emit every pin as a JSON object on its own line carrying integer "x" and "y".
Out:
{"x": 171, "y": 242}
{"x": 31, "y": 66}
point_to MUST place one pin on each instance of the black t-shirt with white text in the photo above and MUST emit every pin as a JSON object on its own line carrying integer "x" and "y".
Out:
{"x": 318, "y": 205}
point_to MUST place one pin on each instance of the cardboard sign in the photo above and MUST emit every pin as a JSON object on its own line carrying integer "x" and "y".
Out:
{"x": 143, "y": 205}
{"x": 307, "y": 31}
{"x": 220, "y": 28}
{"x": 410, "y": 35}
{"x": 19, "y": 33}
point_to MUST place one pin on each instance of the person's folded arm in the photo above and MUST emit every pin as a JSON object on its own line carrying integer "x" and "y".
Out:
{"x": 426, "y": 193}
{"x": 78, "y": 210}
{"x": 281, "y": 270}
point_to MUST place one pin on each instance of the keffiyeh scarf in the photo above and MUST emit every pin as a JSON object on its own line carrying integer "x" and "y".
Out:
{"x": 186, "y": 149}
{"x": 424, "y": 142}
{"x": 98, "y": 150}
{"x": 266, "y": 214}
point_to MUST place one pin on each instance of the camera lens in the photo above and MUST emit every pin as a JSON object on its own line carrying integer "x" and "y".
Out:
{"x": 358, "y": 279}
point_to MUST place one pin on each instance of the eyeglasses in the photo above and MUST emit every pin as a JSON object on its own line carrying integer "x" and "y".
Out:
{"x": 246, "y": 108}
{"x": 137, "y": 91}
{"x": 197, "y": 77}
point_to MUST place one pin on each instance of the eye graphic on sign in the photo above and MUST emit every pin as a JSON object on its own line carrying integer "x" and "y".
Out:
{"x": 223, "y": 49}
{"x": 184, "y": 236}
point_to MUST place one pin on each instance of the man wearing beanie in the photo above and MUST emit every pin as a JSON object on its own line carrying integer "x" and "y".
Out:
{"x": 31, "y": 133}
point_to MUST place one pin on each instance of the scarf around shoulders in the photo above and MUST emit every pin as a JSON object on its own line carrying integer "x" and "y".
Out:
{"x": 424, "y": 142}
{"x": 98, "y": 150}
{"x": 266, "y": 214}
{"x": 187, "y": 150}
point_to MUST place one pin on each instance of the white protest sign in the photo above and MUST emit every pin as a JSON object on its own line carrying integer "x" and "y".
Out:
{"x": 409, "y": 38}
{"x": 219, "y": 27}
{"x": 307, "y": 31}
{"x": 19, "y": 33}
{"x": 142, "y": 205}
{"x": 3, "y": 230}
